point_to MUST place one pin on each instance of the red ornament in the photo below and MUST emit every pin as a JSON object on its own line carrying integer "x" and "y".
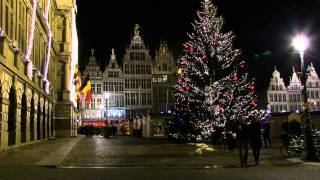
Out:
{"x": 179, "y": 80}
{"x": 252, "y": 87}
{"x": 254, "y": 102}
{"x": 191, "y": 50}
{"x": 184, "y": 61}
{"x": 241, "y": 65}
{"x": 188, "y": 88}
{"x": 204, "y": 57}
{"x": 185, "y": 45}
{"x": 235, "y": 77}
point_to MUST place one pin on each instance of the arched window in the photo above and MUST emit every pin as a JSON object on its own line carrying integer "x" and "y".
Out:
{"x": 38, "y": 120}
{"x": 12, "y": 116}
{"x": 23, "y": 117}
{"x": 44, "y": 120}
{"x": 32, "y": 119}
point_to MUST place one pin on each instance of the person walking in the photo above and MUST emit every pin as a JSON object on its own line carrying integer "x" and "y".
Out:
{"x": 242, "y": 137}
{"x": 255, "y": 139}
{"x": 266, "y": 134}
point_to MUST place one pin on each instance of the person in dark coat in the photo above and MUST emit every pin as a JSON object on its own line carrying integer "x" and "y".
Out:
{"x": 255, "y": 138}
{"x": 242, "y": 137}
{"x": 266, "y": 134}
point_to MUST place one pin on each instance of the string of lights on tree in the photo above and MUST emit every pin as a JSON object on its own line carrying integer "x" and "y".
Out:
{"x": 212, "y": 84}
{"x": 30, "y": 66}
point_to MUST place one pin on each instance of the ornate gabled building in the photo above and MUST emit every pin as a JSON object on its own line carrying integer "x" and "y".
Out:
{"x": 38, "y": 55}
{"x": 163, "y": 79}
{"x": 137, "y": 68}
{"x": 113, "y": 90}
{"x": 92, "y": 112}
{"x": 140, "y": 86}
{"x": 288, "y": 99}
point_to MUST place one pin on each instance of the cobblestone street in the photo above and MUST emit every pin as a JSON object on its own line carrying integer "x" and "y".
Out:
{"x": 133, "y": 158}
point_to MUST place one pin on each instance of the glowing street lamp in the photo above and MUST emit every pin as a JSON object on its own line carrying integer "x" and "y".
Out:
{"x": 301, "y": 43}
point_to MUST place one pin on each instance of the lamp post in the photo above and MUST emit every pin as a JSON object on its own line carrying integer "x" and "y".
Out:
{"x": 301, "y": 43}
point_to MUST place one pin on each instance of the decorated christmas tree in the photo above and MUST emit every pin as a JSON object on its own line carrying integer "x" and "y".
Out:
{"x": 213, "y": 86}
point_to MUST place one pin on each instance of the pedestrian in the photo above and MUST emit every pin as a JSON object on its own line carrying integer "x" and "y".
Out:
{"x": 266, "y": 134}
{"x": 255, "y": 138}
{"x": 242, "y": 137}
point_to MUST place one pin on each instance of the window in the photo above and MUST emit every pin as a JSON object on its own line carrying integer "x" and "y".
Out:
{"x": 126, "y": 68}
{"x": 317, "y": 84}
{"x": 164, "y": 67}
{"x": 272, "y": 87}
{"x": 113, "y": 65}
{"x": 99, "y": 88}
{"x": 284, "y": 98}
{"x": 21, "y": 25}
{"x": 131, "y": 68}
{"x": 317, "y": 94}
{"x": 280, "y": 97}
{"x": 110, "y": 74}
{"x": 98, "y": 102}
{"x": 93, "y": 88}
{"x": 294, "y": 98}
{"x": 310, "y": 84}
{"x": 138, "y": 69}
{"x": 275, "y": 98}
{"x": 93, "y": 103}
{"x": 312, "y": 94}
{"x": 105, "y": 86}
{"x": 280, "y": 87}
{"x": 271, "y": 97}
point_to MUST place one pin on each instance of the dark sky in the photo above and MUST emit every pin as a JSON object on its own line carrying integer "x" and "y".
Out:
{"x": 259, "y": 25}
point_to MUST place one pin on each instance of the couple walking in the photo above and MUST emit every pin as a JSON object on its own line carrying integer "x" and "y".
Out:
{"x": 249, "y": 133}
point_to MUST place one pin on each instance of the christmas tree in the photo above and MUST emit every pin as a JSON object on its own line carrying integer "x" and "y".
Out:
{"x": 213, "y": 86}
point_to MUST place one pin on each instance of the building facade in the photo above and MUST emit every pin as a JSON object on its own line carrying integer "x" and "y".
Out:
{"x": 290, "y": 98}
{"x": 139, "y": 87}
{"x": 137, "y": 68}
{"x": 107, "y": 88}
{"x": 163, "y": 79}
{"x": 38, "y": 52}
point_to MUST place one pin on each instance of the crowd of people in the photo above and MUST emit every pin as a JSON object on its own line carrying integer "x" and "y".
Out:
{"x": 241, "y": 135}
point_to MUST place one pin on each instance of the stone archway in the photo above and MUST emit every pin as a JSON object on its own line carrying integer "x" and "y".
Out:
{"x": 24, "y": 118}
{"x": 38, "y": 120}
{"x": 48, "y": 120}
{"x": 52, "y": 123}
{"x": 32, "y": 119}
{"x": 44, "y": 120}
{"x": 12, "y": 116}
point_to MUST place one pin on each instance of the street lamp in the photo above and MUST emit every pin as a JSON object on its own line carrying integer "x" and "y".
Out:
{"x": 301, "y": 43}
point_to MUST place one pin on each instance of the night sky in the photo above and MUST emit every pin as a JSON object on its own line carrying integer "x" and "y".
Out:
{"x": 259, "y": 26}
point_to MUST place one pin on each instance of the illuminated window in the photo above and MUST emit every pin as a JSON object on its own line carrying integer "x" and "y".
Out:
{"x": 99, "y": 88}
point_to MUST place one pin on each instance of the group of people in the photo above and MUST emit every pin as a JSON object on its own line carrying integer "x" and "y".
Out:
{"x": 111, "y": 130}
{"x": 89, "y": 131}
{"x": 245, "y": 133}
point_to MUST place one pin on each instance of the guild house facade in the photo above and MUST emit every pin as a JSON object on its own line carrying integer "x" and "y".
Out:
{"x": 282, "y": 98}
{"x": 140, "y": 86}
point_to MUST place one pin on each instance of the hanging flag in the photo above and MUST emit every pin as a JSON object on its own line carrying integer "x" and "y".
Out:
{"x": 77, "y": 84}
{"x": 86, "y": 89}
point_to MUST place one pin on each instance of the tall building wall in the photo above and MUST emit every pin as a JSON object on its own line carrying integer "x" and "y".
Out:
{"x": 36, "y": 48}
